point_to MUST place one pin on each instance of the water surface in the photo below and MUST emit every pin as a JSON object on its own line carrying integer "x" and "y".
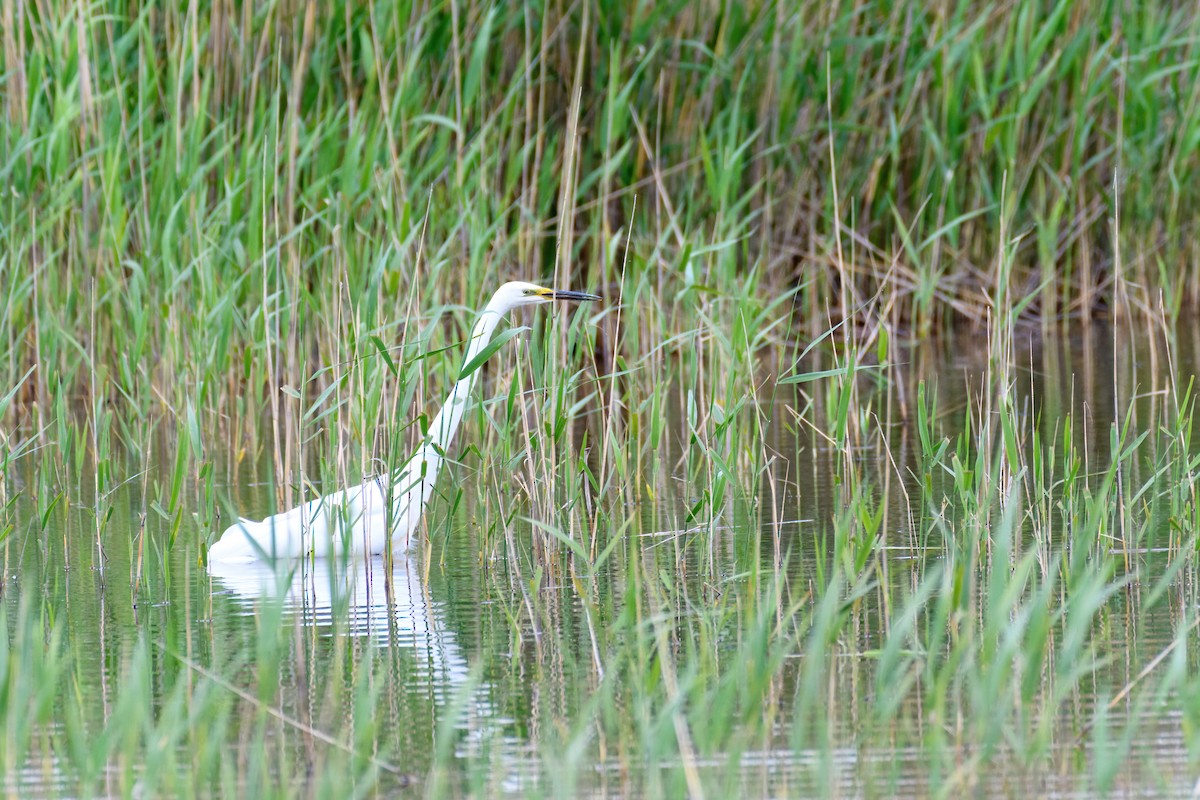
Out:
{"x": 480, "y": 669}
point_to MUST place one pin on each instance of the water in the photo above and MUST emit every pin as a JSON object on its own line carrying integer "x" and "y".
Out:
{"x": 463, "y": 669}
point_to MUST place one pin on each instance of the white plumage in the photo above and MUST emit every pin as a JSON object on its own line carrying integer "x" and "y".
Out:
{"x": 356, "y": 520}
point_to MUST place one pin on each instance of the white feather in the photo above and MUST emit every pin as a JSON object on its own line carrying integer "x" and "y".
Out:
{"x": 356, "y": 521}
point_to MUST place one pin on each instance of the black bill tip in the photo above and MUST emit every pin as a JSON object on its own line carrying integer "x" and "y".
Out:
{"x": 566, "y": 294}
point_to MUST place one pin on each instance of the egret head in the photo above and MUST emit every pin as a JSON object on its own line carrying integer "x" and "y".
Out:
{"x": 515, "y": 294}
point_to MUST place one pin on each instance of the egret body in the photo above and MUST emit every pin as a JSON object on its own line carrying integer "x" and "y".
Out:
{"x": 357, "y": 520}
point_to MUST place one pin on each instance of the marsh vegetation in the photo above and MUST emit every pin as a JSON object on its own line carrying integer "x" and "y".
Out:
{"x": 874, "y": 474}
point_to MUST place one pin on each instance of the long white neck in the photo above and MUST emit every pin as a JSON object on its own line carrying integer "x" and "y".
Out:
{"x": 422, "y": 469}
{"x": 445, "y": 424}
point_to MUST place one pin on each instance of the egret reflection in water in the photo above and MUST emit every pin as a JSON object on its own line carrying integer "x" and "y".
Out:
{"x": 359, "y": 596}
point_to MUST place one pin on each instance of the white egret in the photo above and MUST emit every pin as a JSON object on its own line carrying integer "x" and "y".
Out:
{"x": 356, "y": 520}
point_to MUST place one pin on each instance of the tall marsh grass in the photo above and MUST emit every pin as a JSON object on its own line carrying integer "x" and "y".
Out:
{"x": 728, "y": 532}
{"x": 204, "y": 205}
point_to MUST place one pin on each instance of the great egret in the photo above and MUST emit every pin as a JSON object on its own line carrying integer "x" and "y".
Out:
{"x": 356, "y": 520}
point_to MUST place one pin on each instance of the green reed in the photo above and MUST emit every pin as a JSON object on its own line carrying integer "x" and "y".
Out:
{"x": 208, "y": 197}
{"x": 250, "y": 243}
